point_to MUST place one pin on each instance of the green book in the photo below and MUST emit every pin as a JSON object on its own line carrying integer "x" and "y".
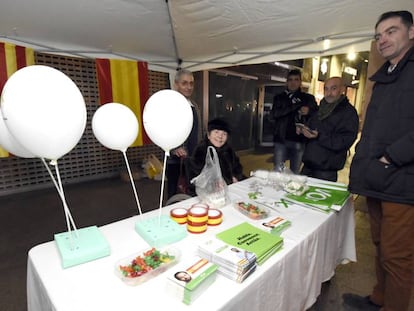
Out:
{"x": 191, "y": 278}
{"x": 276, "y": 225}
{"x": 270, "y": 253}
{"x": 252, "y": 239}
{"x": 320, "y": 198}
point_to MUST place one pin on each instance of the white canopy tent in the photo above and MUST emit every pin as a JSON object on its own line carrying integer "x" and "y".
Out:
{"x": 194, "y": 34}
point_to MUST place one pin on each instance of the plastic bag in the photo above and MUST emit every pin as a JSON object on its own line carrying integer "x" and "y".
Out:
{"x": 153, "y": 167}
{"x": 210, "y": 186}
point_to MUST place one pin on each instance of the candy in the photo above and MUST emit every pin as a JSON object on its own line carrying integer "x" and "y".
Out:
{"x": 149, "y": 260}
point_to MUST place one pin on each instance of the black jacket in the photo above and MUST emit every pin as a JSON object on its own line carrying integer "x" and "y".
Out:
{"x": 337, "y": 133}
{"x": 193, "y": 138}
{"x": 284, "y": 114}
{"x": 229, "y": 161}
{"x": 388, "y": 130}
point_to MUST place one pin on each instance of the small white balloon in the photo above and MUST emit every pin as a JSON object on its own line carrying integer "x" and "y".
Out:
{"x": 9, "y": 143}
{"x": 44, "y": 111}
{"x": 115, "y": 126}
{"x": 168, "y": 119}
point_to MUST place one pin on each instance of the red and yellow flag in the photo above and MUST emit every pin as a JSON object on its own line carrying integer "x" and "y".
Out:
{"x": 12, "y": 58}
{"x": 125, "y": 82}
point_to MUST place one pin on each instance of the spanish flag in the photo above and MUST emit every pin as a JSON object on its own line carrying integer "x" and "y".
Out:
{"x": 12, "y": 58}
{"x": 125, "y": 82}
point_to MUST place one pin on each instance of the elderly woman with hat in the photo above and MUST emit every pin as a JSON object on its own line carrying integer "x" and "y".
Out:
{"x": 218, "y": 131}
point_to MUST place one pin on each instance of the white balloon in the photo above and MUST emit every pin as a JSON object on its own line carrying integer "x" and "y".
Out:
{"x": 115, "y": 126}
{"x": 44, "y": 111}
{"x": 10, "y": 144}
{"x": 167, "y": 119}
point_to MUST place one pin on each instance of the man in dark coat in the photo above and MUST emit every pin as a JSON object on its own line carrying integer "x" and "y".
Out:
{"x": 177, "y": 163}
{"x": 383, "y": 166}
{"x": 290, "y": 107}
{"x": 331, "y": 132}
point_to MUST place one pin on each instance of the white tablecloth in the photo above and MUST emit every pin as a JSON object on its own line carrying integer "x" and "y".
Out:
{"x": 290, "y": 280}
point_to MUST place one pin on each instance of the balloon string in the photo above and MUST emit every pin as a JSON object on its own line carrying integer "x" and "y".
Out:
{"x": 68, "y": 215}
{"x": 64, "y": 203}
{"x": 133, "y": 184}
{"x": 162, "y": 187}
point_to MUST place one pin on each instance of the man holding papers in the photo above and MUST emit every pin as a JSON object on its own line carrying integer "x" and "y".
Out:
{"x": 330, "y": 132}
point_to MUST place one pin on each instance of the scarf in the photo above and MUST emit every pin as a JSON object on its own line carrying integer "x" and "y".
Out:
{"x": 293, "y": 96}
{"x": 325, "y": 108}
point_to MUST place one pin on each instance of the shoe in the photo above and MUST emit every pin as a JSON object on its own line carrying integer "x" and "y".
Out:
{"x": 356, "y": 302}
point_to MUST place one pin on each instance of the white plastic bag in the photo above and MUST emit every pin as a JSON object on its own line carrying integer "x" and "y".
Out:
{"x": 210, "y": 186}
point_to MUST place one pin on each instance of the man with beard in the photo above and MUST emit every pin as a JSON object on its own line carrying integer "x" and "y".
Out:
{"x": 331, "y": 132}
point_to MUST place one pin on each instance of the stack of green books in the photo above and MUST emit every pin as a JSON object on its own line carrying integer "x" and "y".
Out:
{"x": 191, "y": 278}
{"x": 276, "y": 225}
{"x": 320, "y": 197}
{"x": 250, "y": 238}
{"x": 234, "y": 263}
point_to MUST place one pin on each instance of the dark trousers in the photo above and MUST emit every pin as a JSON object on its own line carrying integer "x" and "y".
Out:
{"x": 290, "y": 150}
{"x": 392, "y": 232}
{"x": 172, "y": 173}
{"x": 326, "y": 175}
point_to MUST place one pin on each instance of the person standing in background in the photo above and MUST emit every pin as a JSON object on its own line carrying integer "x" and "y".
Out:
{"x": 382, "y": 169}
{"x": 184, "y": 84}
{"x": 290, "y": 107}
{"x": 330, "y": 132}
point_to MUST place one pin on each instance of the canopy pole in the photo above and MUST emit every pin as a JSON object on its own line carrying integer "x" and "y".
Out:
{"x": 177, "y": 54}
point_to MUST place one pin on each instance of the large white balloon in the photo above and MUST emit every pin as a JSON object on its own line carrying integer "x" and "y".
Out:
{"x": 115, "y": 126}
{"x": 8, "y": 142}
{"x": 44, "y": 111}
{"x": 167, "y": 119}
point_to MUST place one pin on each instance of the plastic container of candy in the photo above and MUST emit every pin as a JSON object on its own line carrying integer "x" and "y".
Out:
{"x": 143, "y": 266}
{"x": 251, "y": 209}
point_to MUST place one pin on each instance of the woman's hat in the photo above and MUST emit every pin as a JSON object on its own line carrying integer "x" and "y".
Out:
{"x": 218, "y": 124}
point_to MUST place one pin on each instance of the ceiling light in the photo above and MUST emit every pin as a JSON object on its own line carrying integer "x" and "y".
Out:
{"x": 351, "y": 56}
{"x": 277, "y": 78}
{"x": 326, "y": 44}
{"x": 283, "y": 65}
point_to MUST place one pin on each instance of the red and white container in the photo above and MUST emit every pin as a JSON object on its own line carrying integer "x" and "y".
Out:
{"x": 179, "y": 215}
{"x": 194, "y": 227}
{"x": 197, "y": 218}
{"x": 215, "y": 217}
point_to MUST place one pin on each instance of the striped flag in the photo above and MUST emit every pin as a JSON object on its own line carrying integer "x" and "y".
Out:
{"x": 12, "y": 58}
{"x": 125, "y": 82}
